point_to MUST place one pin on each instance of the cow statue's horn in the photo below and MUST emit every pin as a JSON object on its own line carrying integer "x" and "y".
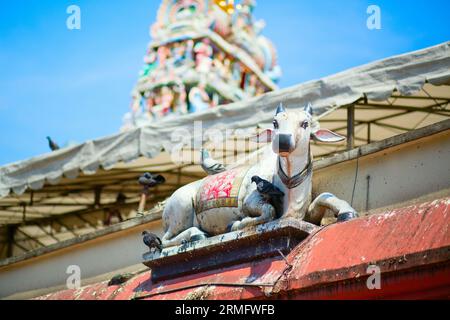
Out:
{"x": 308, "y": 108}
{"x": 280, "y": 109}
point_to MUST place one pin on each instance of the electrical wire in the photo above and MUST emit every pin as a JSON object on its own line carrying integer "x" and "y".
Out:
{"x": 356, "y": 174}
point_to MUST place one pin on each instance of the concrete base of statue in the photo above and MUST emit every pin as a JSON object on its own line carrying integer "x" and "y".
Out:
{"x": 259, "y": 242}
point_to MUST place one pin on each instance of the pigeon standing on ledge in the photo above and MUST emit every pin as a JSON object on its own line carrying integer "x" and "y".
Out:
{"x": 52, "y": 144}
{"x": 270, "y": 192}
{"x": 152, "y": 241}
{"x": 210, "y": 165}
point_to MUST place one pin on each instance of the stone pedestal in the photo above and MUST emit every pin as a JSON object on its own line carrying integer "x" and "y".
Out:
{"x": 231, "y": 248}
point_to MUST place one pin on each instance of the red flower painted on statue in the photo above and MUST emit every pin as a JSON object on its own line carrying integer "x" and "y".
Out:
{"x": 218, "y": 186}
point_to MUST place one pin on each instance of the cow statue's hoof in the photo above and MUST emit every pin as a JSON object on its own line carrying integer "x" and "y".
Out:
{"x": 346, "y": 216}
{"x": 234, "y": 226}
{"x": 198, "y": 237}
{"x": 238, "y": 225}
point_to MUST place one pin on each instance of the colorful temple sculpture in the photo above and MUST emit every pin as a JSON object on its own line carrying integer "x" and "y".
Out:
{"x": 203, "y": 53}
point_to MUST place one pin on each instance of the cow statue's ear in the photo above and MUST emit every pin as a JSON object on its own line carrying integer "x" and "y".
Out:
{"x": 263, "y": 137}
{"x": 325, "y": 135}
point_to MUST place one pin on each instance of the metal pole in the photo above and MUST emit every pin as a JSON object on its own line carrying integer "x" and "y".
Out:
{"x": 368, "y": 132}
{"x": 11, "y": 230}
{"x": 367, "y": 192}
{"x": 24, "y": 212}
{"x": 350, "y": 126}
{"x": 143, "y": 200}
{"x": 97, "y": 196}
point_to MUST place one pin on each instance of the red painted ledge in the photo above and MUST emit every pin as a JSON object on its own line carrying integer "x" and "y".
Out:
{"x": 410, "y": 245}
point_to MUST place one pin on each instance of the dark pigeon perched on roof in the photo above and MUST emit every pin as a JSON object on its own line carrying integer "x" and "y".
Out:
{"x": 120, "y": 279}
{"x": 52, "y": 144}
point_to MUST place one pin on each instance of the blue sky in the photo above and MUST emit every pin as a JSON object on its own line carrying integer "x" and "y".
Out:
{"x": 75, "y": 85}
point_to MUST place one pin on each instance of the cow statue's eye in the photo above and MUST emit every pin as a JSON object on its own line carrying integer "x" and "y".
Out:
{"x": 304, "y": 124}
{"x": 275, "y": 124}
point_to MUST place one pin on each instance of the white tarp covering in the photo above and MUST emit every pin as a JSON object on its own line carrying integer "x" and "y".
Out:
{"x": 406, "y": 73}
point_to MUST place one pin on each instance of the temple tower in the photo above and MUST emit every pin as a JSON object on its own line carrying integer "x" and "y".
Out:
{"x": 203, "y": 53}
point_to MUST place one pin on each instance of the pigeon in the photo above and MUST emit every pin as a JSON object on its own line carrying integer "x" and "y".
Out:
{"x": 119, "y": 279}
{"x": 210, "y": 165}
{"x": 150, "y": 180}
{"x": 52, "y": 144}
{"x": 152, "y": 241}
{"x": 271, "y": 194}
{"x": 267, "y": 188}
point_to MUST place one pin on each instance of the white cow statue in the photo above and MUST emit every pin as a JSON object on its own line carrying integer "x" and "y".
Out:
{"x": 229, "y": 201}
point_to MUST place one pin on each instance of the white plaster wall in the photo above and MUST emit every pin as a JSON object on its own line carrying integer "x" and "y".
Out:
{"x": 396, "y": 175}
{"x": 95, "y": 257}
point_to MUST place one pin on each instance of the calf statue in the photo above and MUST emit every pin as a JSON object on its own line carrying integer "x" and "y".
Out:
{"x": 228, "y": 200}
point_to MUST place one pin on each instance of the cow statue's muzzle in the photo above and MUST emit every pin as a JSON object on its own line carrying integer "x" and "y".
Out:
{"x": 283, "y": 144}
